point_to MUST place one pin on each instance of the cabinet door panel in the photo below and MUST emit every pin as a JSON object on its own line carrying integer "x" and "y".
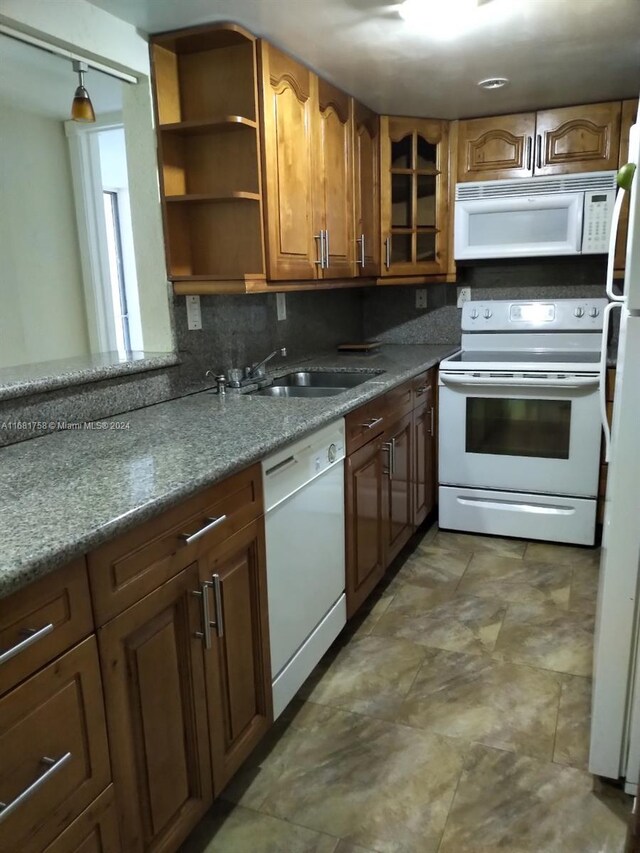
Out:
{"x": 365, "y": 520}
{"x": 498, "y": 147}
{"x": 335, "y": 171}
{"x": 156, "y": 714}
{"x": 238, "y": 664}
{"x": 629, "y": 115}
{"x": 399, "y": 487}
{"x": 95, "y": 831}
{"x": 367, "y": 185}
{"x": 288, "y": 107}
{"x": 424, "y": 454}
{"x": 578, "y": 139}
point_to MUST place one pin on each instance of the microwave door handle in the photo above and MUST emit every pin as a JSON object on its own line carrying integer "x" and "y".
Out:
{"x": 511, "y": 382}
{"x": 613, "y": 239}
{"x": 602, "y": 391}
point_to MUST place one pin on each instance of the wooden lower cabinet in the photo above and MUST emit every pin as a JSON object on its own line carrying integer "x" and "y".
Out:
{"x": 399, "y": 486}
{"x": 95, "y": 831}
{"x": 238, "y": 664}
{"x": 153, "y": 673}
{"x": 365, "y": 521}
{"x": 424, "y": 455}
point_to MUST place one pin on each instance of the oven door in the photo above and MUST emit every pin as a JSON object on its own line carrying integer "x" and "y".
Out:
{"x": 525, "y": 433}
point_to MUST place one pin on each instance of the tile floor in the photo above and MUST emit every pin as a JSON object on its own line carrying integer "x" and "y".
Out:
{"x": 452, "y": 716}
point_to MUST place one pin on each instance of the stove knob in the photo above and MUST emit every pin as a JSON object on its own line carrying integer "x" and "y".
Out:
{"x": 474, "y": 314}
{"x": 488, "y": 313}
{"x": 579, "y": 312}
{"x": 593, "y": 312}
{"x": 332, "y": 453}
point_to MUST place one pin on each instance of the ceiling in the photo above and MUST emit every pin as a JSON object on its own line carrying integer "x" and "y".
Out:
{"x": 555, "y": 52}
{"x": 43, "y": 83}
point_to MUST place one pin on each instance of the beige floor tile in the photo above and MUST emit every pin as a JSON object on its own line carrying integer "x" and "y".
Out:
{"x": 375, "y": 784}
{"x": 432, "y": 568}
{"x": 473, "y": 543}
{"x": 367, "y": 616}
{"x": 507, "y": 802}
{"x": 234, "y": 829}
{"x": 475, "y": 698}
{"x": 517, "y": 580}
{"x": 574, "y": 719}
{"x": 584, "y": 588}
{"x": 370, "y": 675}
{"x": 562, "y": 555}
{"x": 459, "y": 623}
{"x": 345, "y": 847}
{"x": 548, "y": 637}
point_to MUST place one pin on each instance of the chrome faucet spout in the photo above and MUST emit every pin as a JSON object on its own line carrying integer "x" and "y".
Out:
{"x": 257, "y": 370}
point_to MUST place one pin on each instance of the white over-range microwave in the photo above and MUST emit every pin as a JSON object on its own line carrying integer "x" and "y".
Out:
{"x": 565, "y": 215}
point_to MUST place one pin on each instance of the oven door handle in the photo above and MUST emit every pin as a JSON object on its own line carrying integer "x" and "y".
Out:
{"x": 510, "y": 382}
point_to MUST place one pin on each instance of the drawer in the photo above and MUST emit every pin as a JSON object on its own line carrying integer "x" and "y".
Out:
{"x": 420, "y": 386}
{"x": 126, "y": 569}
{"x": 42, "y": 621}
{"x": 53, "y": 743}
{"x": 365, "y": 423}
{"x": 95, "y": 831}
{"x": 400, "y": 401}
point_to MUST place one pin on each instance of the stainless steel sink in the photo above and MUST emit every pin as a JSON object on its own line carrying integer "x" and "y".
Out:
{"x": 297, "y": 391}
{"x": 323, "y": 379}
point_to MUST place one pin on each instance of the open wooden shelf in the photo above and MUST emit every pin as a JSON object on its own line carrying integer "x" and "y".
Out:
{"x": 220, "y": 124}
{"x": 206, "y": 197}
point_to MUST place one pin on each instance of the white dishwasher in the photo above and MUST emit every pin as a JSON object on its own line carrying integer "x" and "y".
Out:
{"x": 304, "y": 505}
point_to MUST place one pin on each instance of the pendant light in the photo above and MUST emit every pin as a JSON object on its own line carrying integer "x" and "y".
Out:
{"x": 82, "y": 108}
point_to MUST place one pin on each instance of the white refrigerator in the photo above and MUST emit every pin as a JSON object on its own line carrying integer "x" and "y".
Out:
{"x": 615, "y": 723}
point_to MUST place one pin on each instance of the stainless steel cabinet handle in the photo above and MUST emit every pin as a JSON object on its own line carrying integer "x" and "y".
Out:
{"x": 420, "y": 391}
{"x": 393, "y": 457}
{"x": 189, "y": 538}
{"x": 372, "y": 423}
{"x": 217, "y": 595}
{"x": 432, "y": 421}
{"x": 388, "y": 446}
{"x": 205, "y": 634}
{"x": 33, "y": 636}
{"x": 539, "y": 151}
{"x": 320, "y": 238}
{"x": 52, "y": 765}
{"x": 361, "y": 243}
{"x": 529, "y": 151}
{"x": 387, "y": 252}
{"x": 326, "y": 249}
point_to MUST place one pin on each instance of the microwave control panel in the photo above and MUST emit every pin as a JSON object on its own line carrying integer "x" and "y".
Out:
{"x": 598, "y": 210}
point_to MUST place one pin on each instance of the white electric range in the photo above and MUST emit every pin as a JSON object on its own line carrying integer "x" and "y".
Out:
{"x": 519, "y": 420}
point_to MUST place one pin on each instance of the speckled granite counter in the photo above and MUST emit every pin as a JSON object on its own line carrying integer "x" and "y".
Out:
{"x": 68, "y": 492}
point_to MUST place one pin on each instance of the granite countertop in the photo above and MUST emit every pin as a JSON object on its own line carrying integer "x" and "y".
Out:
{"x": 65, "y": 493}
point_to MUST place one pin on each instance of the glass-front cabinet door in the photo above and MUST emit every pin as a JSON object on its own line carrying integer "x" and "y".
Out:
{"x": 414, "y": 196}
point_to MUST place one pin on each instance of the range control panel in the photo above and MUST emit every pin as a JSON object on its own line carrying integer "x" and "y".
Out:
{"x": 556, "y": 315}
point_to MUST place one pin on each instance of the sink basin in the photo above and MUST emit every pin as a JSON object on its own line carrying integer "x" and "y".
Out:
{"x": 297, "y": 391}
{"x": 342, "y": 379}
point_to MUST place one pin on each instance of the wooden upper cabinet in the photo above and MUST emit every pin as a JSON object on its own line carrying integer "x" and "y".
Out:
{"x": 366, "y": 135}
{"x": 578, "y": 139}
{"x": 493, "y": 148}
{"x": 414, "y": 182}
{"x": 629, "y": 114}
{"x": 288, "y": 109}
{"x": 334, "y": 172}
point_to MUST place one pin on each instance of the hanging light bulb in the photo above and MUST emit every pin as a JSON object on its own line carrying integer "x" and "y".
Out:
{"x": 82, "y": 108}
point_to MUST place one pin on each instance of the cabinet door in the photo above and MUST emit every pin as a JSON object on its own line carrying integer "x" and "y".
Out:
{"x": 367, "y": 189}
{"x": 94, "y": 831}
{"x": 365, "y": 521}
{"x": 578, "y": 139}
{"x": 629, "y": 115}
{"x": 414, "y": 161}
{"x": 424, "y": 420}
{"x": 499, "y": 147}
{"x": 238, "y": 664}
{"x": 155, "y": 697}
{"x": 288, "y": 116}
{"x": 334, "y": 196}
{"x": 399, "y": 486}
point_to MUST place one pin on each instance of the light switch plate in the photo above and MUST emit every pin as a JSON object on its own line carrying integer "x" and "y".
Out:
{"x": 194, "y": 315}
{"x": 421, "y": 298}
{"x": 281, "y": 305}
{"x": 464, "y": 295}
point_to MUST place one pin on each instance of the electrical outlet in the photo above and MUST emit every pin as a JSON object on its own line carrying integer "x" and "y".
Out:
{"x": 464, "y": 295}
{"x": 421, "y": 298}
{"x": 194, "y": 315}
{"x": 281, "y": 305}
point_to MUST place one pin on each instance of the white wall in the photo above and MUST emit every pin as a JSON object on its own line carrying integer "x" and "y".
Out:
{"x": 42, "y": 311}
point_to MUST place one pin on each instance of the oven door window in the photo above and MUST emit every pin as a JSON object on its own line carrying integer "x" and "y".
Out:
{"x": 510, "y": 427}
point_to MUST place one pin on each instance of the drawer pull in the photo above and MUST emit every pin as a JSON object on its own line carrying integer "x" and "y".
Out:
{"x": 34, "y": 636}
{"x": 217, "y": 596}
{"x": 421, "y": 390}
{"x": 189, "y": 538}
{"x": 52, "y": 765}
{"x": 372, "y": 423}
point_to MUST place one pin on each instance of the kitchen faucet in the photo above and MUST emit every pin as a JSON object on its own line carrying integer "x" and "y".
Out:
{"x": 257, "y": 371}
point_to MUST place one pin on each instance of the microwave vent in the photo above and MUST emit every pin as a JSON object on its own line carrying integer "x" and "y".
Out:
{"x": 536, "y": 186}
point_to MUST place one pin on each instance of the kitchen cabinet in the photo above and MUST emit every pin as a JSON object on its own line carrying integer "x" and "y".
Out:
{"x": 629, "y": 115}
{"x": 398, "y": 487}
{"x": 94, "y": 831}
{"x": 549, "y": 142}
{"x": 414, "y": 189}
{"x": 366, "y": 128}
{"x": 154, "y": 685}
{"x": 238, "y": 665}
{"x": 424, "y": 447}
